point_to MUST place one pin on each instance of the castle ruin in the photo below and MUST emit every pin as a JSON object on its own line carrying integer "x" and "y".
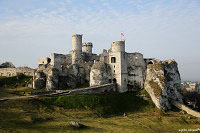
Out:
{"x": 81, "y": 66}
{"x": 113, "y": 70}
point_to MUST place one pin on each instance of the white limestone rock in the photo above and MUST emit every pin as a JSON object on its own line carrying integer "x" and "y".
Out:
{"x": 100, "y": 74}
{"x": 163, "y": 83}
{"x": 52, "y": 79}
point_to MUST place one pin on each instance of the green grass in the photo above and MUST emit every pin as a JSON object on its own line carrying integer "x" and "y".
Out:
{"x": 16, "y": 86}
{"x": 16, "y": 81}
{"x": 103, "y": 105}
{"x": 53, "y": 114}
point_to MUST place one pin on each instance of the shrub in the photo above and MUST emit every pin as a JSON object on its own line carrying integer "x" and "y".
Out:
{"x": 20, "y": 80}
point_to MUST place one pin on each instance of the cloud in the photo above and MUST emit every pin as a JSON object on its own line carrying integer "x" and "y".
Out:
{"x": 160, "y": 29}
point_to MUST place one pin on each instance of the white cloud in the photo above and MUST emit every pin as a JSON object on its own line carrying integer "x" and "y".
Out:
{"x": 154, "y": 29}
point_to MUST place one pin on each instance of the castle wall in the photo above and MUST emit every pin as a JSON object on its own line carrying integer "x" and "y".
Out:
{"x": 68, "y": 60}
{"x": 136, "y": 70}
{"x": 8, "y": 72}
{"x": 104, "y": 56}
{"x": 95, "y": 89}
{"x": 58, "y": 60}
{"x": 87, "y": 48}
{"x": 43, "y": 61}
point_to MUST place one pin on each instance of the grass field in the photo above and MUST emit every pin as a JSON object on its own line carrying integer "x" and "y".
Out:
{"x": 100, "y": 113}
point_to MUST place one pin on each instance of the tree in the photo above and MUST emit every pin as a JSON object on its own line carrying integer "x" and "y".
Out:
{"x": 7, "y": 65}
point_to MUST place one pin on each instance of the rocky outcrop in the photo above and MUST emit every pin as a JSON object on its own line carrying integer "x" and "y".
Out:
{"x": 163, "y": 83}
{"x": 52, "y": 79}
{"x": 76, "y": 125}
{"x": 100, "y": 74}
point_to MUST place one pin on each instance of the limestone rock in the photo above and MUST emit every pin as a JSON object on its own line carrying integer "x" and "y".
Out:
{"x": 52, "y": 79}
{"x": 76, "y": 124}
{"x": 163, "y": 83}
{"x": 100, "y": 74}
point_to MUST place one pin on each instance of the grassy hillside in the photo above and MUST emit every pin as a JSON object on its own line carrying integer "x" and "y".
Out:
{"x": 100, "y": 113}
{"x": 102, "y": 105}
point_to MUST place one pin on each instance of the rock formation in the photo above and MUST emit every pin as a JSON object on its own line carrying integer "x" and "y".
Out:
{"x": 163, "y": 83}
{"x": 100, "y": 74}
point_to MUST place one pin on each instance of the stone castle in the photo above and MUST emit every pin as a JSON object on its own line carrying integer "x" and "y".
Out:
{"x": 112, "y": 70}
{"x": 82, "y": 66}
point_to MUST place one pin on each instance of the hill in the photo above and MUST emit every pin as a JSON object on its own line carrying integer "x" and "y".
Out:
{"x": 100, "y": 113}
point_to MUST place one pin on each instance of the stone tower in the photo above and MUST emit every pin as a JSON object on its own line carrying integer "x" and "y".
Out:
{"x": 76, "y": 48}
{"x": 118, "y": 63}
{"x": 87, "y": 48}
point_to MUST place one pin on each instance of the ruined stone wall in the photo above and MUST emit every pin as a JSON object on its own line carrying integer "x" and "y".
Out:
{"x": 87, "y": 48}
{"x": 86, "y": 58}
{"x": 43, "y": 61}
{"x": 95, "y": 89}
{"x": 136, "y": 70}
{"x": 68, "y": 60}
{"x": 8, "y": 72}
{"x": 104, "y": 56}
{"x": 58, "y": 60}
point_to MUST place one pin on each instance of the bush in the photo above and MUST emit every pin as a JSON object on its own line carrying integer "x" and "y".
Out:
{"x": 101, "y": 104}
{"x": 192, "y": 97}
{"x": 20, "y": 80}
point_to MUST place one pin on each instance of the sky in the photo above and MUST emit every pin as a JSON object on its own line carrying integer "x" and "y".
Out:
{"x": 162, "y": 29}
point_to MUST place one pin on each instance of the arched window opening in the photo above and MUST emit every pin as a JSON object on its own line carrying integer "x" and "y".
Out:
{"x": 150, "y": 62}
{"x": 113, "y": 60}
{"x": 114, "y": 80}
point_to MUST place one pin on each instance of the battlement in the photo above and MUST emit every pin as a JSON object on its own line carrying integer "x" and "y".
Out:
{"x": 87, "y": 48}
{"x": 77, "y": 35}
{"x": 88, "y": 44}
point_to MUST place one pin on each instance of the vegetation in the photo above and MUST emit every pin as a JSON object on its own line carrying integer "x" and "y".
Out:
{"x": 113, "y": 112}
{"x": 16, "y": 81}
{"x": 102, "y": 105}
{"x": 156, "y": 88}
{"x": 192, "y": 97}
{"x": 35, "y": 115}
{"x": 15, "y": 86}
{"x": 7, "y": 65}
{"x": 144, "y": 93}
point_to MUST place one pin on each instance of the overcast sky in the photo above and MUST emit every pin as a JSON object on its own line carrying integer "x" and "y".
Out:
{"x": 161, "y": 29}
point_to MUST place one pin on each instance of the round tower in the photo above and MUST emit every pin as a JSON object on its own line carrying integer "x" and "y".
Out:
{"x": 118, "y": 63}
{"x": 77, "y": 42}
{"x": 76, "y": 48}
{"x": 87, "y": 48}
{"x": 118, "y": 46}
